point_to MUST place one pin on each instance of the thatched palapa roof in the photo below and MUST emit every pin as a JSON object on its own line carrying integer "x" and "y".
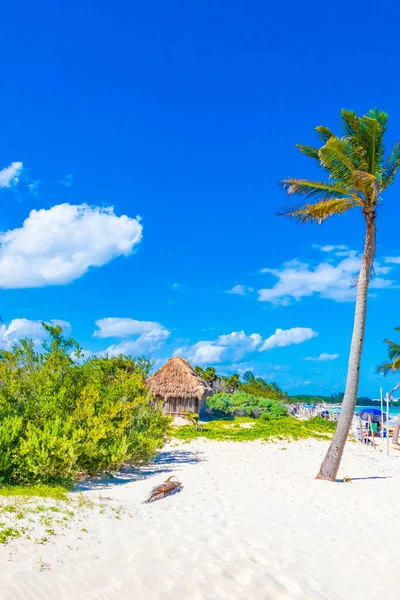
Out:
{"x": 177, "y": 379}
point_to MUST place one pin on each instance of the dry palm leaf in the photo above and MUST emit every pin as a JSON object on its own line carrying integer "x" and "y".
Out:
{"x": 164, "y": 489}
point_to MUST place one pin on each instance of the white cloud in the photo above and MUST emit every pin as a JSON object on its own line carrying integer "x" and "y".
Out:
{"x": 322, "y": 357}
{"x": 10, "y": 175}
{"x": 394, "y": 260}
{"x": 22, "y": 328}
{"x": 331, "y": 248}
{"x": 234, "y": 346}
{"x": 287, "y": 337}
{"x": 379, "y": 283}
{"x": 34, "y": 187}
{"x": 202, "y": 353}
{"x": 150, "y": 335}
{"x": 58, "y": 245}
{"x": 147, "y": 342}
{"x": 124, "y": 327}
{"x": 67, "y": 181}
{"x": 240, "y": 290}
{"x": 334, "y": 279}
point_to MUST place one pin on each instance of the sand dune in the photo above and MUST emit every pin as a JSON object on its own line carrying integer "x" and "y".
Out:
{"x": 250, "y": 523}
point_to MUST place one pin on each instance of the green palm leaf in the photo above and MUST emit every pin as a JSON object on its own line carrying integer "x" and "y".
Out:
{"x": 320, "y": 211}
{"x": 391, "y": 166}
{"x": 393, "y": 356}
{"x": 324, "y": 133}
{"x": 314, "y": 189}
{"x": 308, "y": 151}
{"x": 336, "y": 157}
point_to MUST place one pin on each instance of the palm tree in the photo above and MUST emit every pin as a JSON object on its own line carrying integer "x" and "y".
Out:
{"x": 356, "y": 174}
{"x": 393, "y": 356}
{"x": 394, "y": 365}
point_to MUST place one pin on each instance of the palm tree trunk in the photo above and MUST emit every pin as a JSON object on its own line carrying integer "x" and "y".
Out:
{"x": 331, "y": 462}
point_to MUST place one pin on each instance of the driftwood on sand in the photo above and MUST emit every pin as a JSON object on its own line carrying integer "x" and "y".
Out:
{"x": 164, "y": 489}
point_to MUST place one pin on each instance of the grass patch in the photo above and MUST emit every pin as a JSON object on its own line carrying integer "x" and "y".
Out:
{"x": 56, "y": 492}
{"x": 8, "y": 533}
{"x": 236, "y": 430}
{"x": 40, "y": 512}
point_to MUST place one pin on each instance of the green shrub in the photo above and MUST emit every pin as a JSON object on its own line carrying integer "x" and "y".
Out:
{"x": 244, "y": 404}
{"x": 61, "y": 416}
{"x": 46, "y": 452}
{"x": 10, "y": 431}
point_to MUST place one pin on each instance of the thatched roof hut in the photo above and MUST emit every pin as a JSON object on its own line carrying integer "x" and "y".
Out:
{"x": 179, "y": 387}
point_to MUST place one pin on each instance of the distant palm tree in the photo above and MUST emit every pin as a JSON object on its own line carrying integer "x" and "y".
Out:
{"x": 393, "y": 356}
{"x": 394, "y": 365}
{"x": 356, "y": 174}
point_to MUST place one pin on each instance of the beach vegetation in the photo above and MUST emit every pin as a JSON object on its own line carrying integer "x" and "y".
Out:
{"x": 244, "y": 404}
{"x": 65, "y": 417}
{"x": 355, "y": 174}
{"x": 242, "y": 429}
{"x": 249, "y": 384}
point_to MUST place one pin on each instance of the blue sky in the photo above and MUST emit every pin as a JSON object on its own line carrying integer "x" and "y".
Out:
{"x": 187, "y": 115}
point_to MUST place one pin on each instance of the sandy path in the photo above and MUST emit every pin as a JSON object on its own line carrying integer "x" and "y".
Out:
{"x": 251, "y": 523}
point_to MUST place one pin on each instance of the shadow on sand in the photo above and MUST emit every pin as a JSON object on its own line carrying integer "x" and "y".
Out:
{"x": 165, "y": 462}
{"x": 364, "y": 478}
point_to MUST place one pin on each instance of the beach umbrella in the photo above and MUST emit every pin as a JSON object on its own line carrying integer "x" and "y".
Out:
{"x": 371, "y": 413}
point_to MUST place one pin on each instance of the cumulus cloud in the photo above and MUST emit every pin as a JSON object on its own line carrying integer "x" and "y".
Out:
{"x": 149, "y": 335}
{"x": 240, "y": 290}
{"x": 10, "y": 175}
{"x": 334, "y": 278}
{"x": 22, "y": 328}
{"x": 233, "y": 346}
{"x": 123, "y": 327}
{"x": 58, "y": 245}
{"x": 237, "y": 344}
{"x": 287, "y": 337}
{"x": 145, "y": 343}
{"x": 322, "y": 357}
{"x": 202, "y": 353}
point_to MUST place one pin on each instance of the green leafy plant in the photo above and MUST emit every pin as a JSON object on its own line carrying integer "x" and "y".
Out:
{"x": 244, "y": 404}
{"x": 61, "y": 416}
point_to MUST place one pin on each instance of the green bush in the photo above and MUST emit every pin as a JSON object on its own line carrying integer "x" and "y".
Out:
{"x": 245, "y": 405}
{"x": 61, "y": 416}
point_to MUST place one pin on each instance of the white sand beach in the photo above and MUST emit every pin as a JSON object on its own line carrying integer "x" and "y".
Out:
{"x": 250, "y": 523}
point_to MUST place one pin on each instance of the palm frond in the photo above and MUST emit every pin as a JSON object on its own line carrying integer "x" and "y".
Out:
{"x": 389, "y": 367}
{"x": 393, "y": 356}
{"x": 372, "y": 130}
{"x": 352, "y": 128}
{"x": 379, "y": 115}
{"x": 320, "y": 211}
{"x": 350, "y": 123}
{"x": 336, "y": 157}
{"x": 393, "y": 350}
{"x": 314, "y": 189}
{"x": 324, "y": 133}
{"x": 310, "y": 151}
{"x": 385, "y": 368}
{"x": 391, "y": 166}
{"x": 368, "y": 185}
{"x": 164, "y": 489}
